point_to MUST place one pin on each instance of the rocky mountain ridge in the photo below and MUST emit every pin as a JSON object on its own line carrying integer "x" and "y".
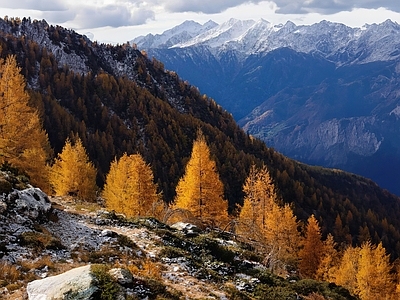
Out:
{"x": 82, "y": 56}
{"x": 333, "y": 41}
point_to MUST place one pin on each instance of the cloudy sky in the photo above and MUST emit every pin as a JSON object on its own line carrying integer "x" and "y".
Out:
{"x": 117, "y": 21}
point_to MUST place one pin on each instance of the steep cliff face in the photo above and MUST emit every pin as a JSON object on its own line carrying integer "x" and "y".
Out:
{"x": 333, "y": 140}
{"x": 350, "y": 121}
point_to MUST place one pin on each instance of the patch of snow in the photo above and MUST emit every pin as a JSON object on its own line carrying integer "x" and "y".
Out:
{"x": 396, "y": 111}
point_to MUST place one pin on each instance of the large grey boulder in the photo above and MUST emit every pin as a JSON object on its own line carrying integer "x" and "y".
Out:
{"x": 77, "y": 284}
{"x": 32, "y": 203}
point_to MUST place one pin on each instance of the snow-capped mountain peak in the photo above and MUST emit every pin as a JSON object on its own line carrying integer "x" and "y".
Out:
{"x": 217, "y": 36}
{"x": 209, "y": 25}
{"x": 175, "y": 35}
{"x": 334, "y": 41}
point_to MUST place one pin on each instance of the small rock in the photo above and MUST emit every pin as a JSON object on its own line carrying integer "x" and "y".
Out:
{"x": 3, "y": 291}
{"x": 187, "y": 228}
{"x": 108, "y": 233}
{"x": 3, "y": 207}
{"x": 102, "y": 222}
{"x": 122, "y": 276}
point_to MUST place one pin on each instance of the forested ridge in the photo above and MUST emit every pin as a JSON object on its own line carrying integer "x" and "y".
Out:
{"x": 151, "y": 111}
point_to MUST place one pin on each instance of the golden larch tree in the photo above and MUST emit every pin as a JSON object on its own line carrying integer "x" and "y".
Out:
{"x": 249, "y": 223}
{"x": 311, "y": 253}
{"x": 396, "y": 293}
{"x": 329, "y": 260}
{"x": 261, "y": 219}
{"x": 130, "y": 187}
{"x": 116, "y": 189}
{"x": 374, "y": 278}
{"x": 23, "y": 142}
{"x": 281, "y": 234}
{"x": 346, "y": 272}
{"x": 73, "y": 173}
{"x": 259, "y": 193}
{"x": 200, "y": 190}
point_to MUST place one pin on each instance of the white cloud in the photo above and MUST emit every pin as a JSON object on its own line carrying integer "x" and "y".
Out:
{"x": 204, "y": 6}
{"x": 58, "y": 17}
{"x": 283, "y": 6}
{"x": 111, "y": 15}
{"x": 42, "y": 5}
{"x": 80, "y": 14}
{"x": 117, "y": 13}
{"x": 332, "y": 6}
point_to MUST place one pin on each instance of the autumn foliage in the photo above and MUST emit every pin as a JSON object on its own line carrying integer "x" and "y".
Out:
{"x": 130, "y": 187}
{"x": 200, "y": 190}
{"x": 260, "y": 194}
{"x": 282, "y": 235}
{"x": 23, "y": 142}
{"x": 73, "y": 173}
{"x": 263, "y": 220}
{"x": 311, "y": 253}
{"x": 272, "y": 228}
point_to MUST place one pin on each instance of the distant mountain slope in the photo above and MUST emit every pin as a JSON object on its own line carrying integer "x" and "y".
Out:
{"x": 350, "y": 121}
{"x": 119, "y": 101}
{"x": 324, "y": 94}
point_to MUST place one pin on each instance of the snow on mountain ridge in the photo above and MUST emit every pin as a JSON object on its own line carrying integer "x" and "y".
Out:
{"x": 175, "y": 35}
{"x": 334, "y": 41}
{"x": 219, "y": 35}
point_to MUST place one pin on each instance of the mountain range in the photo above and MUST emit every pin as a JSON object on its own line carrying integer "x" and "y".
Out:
{"x": 324, "y": 94}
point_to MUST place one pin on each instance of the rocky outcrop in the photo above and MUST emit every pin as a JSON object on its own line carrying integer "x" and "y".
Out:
{"x": 330, "y": 142}
{"x": 76, "y": 284}
{"x": 32, "y": 203}
{"x": 21, "y": 212}
{"x": 37, "y": 31}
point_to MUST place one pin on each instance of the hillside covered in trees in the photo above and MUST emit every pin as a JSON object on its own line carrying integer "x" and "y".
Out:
{"x": 118, "y": 101}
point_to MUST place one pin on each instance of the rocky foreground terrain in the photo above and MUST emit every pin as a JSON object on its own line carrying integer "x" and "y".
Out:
{"x": 58, "y": 248}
